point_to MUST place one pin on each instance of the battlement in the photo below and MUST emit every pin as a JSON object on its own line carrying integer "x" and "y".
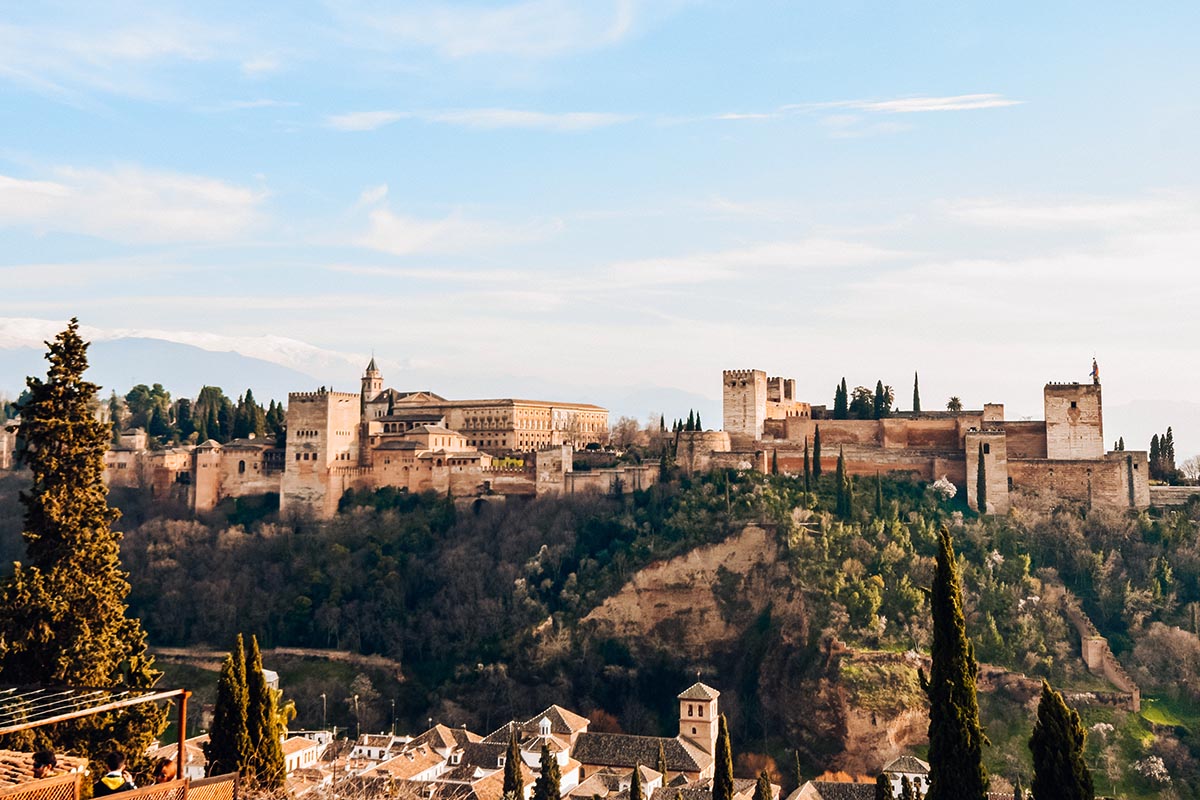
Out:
{"x": 319, "y": 394}
{"x": 741, "y": 374}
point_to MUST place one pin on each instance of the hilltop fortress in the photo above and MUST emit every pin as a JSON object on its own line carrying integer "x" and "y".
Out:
{"x": 376, "y": 438}
{"x": 1064, "y": 453}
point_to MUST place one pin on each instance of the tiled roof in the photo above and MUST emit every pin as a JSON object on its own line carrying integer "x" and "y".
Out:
{"x": 624, "y": 750}
{"x": 443, "y": 736}
{"x": 833, "y": 790}
{"x": 561, "y": 721}
{"x": 17, "y": 767}
{"x": 909, "y": 765}
{"x": 484, "y": 754}
{"x": 410, "y": 763}
{"x": 699, "y": 691}
{"x": 297, "y": 743}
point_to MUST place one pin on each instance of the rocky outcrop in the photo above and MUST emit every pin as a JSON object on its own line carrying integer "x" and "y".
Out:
{"x": 707, "y": 597}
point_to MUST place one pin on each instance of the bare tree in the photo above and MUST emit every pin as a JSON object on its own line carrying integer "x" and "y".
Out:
{"x": 1191, "y": 469}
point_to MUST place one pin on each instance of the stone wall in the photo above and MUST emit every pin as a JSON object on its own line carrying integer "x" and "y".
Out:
{"x": 995, "y": 462}
{"x": 626, "y": 478}
{"x": 694, "y": 450}
{"x": 1098, "y": 656}
{"x": 1166, "y": 496}
{"x": 1117, "y": 480}
{"x": 1025, "y": 438}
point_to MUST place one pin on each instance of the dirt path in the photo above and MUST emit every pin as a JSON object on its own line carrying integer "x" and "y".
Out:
{"x": 211, "y": 659}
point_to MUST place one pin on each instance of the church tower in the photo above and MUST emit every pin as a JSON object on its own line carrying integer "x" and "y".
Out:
{"x": 698, "y": 716}
{"x": 372, "y": 382}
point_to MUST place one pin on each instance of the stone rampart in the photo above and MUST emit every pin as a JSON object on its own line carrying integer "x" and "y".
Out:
{"x": 1098, "y": 656}
{"x": 1167, "y": 496}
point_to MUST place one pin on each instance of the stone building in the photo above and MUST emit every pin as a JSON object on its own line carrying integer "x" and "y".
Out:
{"x": 1063, "y": 453}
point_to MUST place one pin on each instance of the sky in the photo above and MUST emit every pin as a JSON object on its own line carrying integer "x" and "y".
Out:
{"x": 621, "y": 193}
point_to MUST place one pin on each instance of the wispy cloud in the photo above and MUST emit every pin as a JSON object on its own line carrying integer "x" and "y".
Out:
{"x": 898, "y": 105}
{"x": 805, "y": 254}
{"x": 1156, "y": 210}
{"x": 399, "y": 234}
{"x": 130, "y": 204}
{"x": 481, "y": 119}
{"x": 529, "y": 29}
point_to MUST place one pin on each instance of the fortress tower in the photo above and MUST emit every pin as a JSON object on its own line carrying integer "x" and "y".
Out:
{"x": 1074, "y": 421}
{"x": 744, "y": 403}
{"x": 322, "y": 436}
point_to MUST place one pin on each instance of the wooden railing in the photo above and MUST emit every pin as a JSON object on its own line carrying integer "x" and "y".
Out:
{"x": 66, "y": 787}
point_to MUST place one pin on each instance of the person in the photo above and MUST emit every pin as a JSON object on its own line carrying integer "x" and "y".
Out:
{"x": 116, "y": 780}
{"x": 164, "y": 770}
{"x": 44, "y": 763}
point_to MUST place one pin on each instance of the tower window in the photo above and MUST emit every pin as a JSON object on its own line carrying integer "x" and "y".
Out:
{"x": 1074, "y": 404}
{"x": 987, "y": 449}
{"x": 689, "y": 709}
{"x": 693, "y": 731}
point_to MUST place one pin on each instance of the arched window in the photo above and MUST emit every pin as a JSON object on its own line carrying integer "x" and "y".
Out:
{"x": 241, "y": 467}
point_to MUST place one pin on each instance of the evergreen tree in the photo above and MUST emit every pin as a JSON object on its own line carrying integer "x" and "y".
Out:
{"x": 691, "y": 421}
{"x": 722, "y": 785}
{"x": 228, "y": 746}
{"x": 916, "y": 394}
{"x": 114, "y": 414}
{"x": 547, "y": 785}
{"x": 878, "y": 496}
{"x": 956, "y": 770}
{"x": 840, "y": 497}
{"x": 514, "y": 785}
{"x": 883, "y": 788}
{"x": 1018, "y": 791}
{"x": 391, "y": 407}
{"x": 1121, "y": 443}
{"x": 661, "y": 766}
{"x": 1059, "y": 770}
{"x": 906, "y": 789}
{"x": 841, "y": 401}
{"x": 796, "y": 767}
{"x": 662, "y": 423}
{"x": 62, "y": 613}
{"x": 774, "y": 462}
{"x": 699, "y": 427}
{"x": 981, "y": 498}
{"x": 816, "y": 465}
{"x": 263, "y": 724}
{"x": 881, "y": 406}
{"x": 635, "y": 783}
{"x": 762, "y": 787}
{"x": 807, "y": 471}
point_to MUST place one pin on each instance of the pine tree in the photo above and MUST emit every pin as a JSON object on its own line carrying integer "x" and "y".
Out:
{"x": 1059, "y": 770}
{"x": 841, "y": 402}
{"x": 916, "y": 394}
{"x": 662, "y": 762}
{"x": 762, "y": 787}
{"x": 514, "y": 784}
{"x": 228, "y": 746}
{"x": 816, "y": 465}
{"x": 883, "y": 788}
{"x": 956, "y": 770}
{"x": 62, "y": 613}
{"x": 262, "y": 724}
{"x": 635, "y": 783}
{"x": 722, "y": 786}
{"x": 547, "y": 785}
{"x": 981, "y": 498}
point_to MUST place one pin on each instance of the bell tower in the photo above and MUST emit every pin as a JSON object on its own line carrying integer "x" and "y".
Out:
{"x": 372, "y": 382}
{"x": 698, "y": 716}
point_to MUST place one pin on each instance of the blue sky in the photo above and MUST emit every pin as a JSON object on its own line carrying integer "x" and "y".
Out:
{"x": 543, "y": 193}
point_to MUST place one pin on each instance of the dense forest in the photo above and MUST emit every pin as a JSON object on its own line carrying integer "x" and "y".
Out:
{"x": 483, "y": 605}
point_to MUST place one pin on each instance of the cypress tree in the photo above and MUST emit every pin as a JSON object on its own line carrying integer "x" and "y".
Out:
{"x": 262, "y": 724}
{"x": 774, "y": 462}
{"x": 662, "y": 423}
{"x": 906, "y": 789}
{"x": 762, "y": 787}
{"x": 981, "y": 483}
{"x": 691, "y": 421}
{"x": 722, "y": 786}
{"x": 228, "y": 747}
{"x": 916, "y": 394}
{"x": 635, "y": 783}
{"x": 840, "y": 498}
{"x": 816, "y": 465}
{"x": 796, "y": 767}
{"x": 880, "y": 406}
{"x": 514, "y": 785}
{"x": 878, "y": 495}
{"x": 1059, "y": 771}
{"x": 883, "y": 788}
{"x": 807, "y": 471}
{"x": 1018, "y": 791}
{"x": 841, "y": 401}
{"x": 547, "y": 785}
{"x": 662, "y": 762}
{"x": 1155, "y": 458}
{"x": 699, "y": 427}
{"x": 62, "y": 613}
{"x": 956, "y": 770}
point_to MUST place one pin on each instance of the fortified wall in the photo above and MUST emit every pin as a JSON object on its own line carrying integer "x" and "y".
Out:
{"x": 1063, "y": 453}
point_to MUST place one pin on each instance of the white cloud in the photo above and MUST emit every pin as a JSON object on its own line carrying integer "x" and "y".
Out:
{"x": 814, "y": 253}
{"x": 130, "y": 204}
{"x": 398, "y": 234}
{"x": 1157, "y": 211}
{"x": 916, "y": 105}
{"x": 529, "y": 29}
{"x": 363, "y": 120}
{"x": 481, "y": 119}
{"x": 261, "y": 65}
